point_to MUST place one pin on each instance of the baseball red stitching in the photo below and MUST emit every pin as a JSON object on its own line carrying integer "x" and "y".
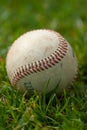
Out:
{"x": 43, "y": 64}
{"x": 75, "y": 77}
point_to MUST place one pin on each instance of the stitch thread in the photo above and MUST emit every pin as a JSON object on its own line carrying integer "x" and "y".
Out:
{"x": 43, "y": 64}
{"x": 75, "y": 77}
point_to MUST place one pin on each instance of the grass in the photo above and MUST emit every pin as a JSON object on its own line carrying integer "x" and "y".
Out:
{"x": 70, "y": 112}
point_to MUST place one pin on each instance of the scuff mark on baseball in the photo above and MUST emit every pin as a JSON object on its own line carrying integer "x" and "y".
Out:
{"x": 40, "y": 56}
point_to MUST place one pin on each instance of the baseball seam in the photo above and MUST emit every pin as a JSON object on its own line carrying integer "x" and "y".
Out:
{"x": 43, "y": 64}
{"x": 75, "y": 77}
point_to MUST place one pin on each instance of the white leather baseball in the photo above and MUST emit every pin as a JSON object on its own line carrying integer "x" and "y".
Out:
{"x": 40, "y": 56}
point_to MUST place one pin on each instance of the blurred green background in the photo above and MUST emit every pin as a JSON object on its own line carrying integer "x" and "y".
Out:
{"x": 69, "y": 17}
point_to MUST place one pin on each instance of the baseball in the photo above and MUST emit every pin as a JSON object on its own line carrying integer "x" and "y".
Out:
{"x": 40, "y": 56}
